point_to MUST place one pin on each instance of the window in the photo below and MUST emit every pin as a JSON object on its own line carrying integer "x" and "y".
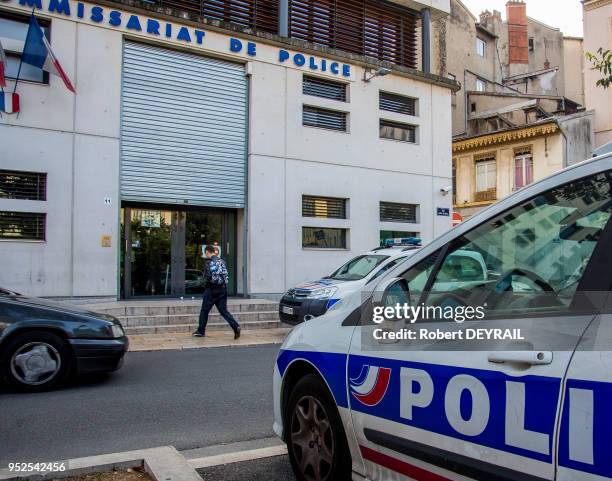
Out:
{"x": 397, "y": 131}
{"x": 481, "y": 85}
{"x": 481, "y": 47}
{"x": 396, "y": 212}
{"x": 397, "y": 103}
{"x": 388, "y": 267}
{"x": 418, "y": 275}
{"x": 531, "y": 44}
{"x": 358, "y": 268}
{"x": 13, "y": 31}
{"x": 486, "y": 174}
{"x": 531, "y": 258}
{"x": 473, "y": 107}
{"x": 324, "y": 207}
{"x": 324, "y": 118}
{"x": 523, "y": 167}
{"x": 23, "y": 185}
{"x": 22, "y": 226}
{"x": 327, "y": 89}
{"x": 323, "y": 238}
{"x": 396, "y": 234}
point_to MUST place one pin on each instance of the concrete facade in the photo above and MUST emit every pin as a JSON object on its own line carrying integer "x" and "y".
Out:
{"x": 573, "y": 60}
{"x": 76, "y": 140}
{"x": 598, "y": 34}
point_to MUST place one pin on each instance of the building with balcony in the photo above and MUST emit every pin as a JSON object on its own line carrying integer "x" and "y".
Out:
{"x": 597, "y": 19}
{"x": 293, "y": 134}
{"x": 519, "y": 115}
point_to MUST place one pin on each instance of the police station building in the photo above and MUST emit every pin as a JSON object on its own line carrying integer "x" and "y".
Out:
{"x": 295, "y": 134}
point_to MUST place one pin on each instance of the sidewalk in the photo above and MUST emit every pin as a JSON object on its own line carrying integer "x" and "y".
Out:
{"x": 182, "y": 340}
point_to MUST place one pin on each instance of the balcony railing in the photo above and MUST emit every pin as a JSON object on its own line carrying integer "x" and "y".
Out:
{"x": 486, "y": 195}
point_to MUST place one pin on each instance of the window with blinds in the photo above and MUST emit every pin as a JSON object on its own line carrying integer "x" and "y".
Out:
{"x": 324, "y": 118}
{"x": 397, "y": 103}
{"x": 398, "y": 212}
{"x": 257, "y": 14}
{"x": 22, "y": 225}
{"x": 323, "y": 207}
{"x": 23, "y": 185}
{"x": 366, "y": 27}
{"x": 327, "y": 89}
{"x": 323, "y": 238}
{"x": 397, "y": 131}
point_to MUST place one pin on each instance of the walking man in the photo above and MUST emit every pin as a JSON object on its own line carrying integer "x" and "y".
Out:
{"x": 215, "y": 292}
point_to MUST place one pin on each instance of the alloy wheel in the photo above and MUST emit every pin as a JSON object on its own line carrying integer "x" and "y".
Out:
{"x": 312, "y": 439}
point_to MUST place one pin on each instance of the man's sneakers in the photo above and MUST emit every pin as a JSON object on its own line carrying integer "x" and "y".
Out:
{"x": 198, "y": 334}
{"x": 237, "y": 333}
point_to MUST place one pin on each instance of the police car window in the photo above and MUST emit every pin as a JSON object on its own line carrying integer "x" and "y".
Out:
{"x": 387, "y": 267}
{"x": 531, "y": 258}
{"x": 418, "y": 275}
{"x": 358, "y": 268}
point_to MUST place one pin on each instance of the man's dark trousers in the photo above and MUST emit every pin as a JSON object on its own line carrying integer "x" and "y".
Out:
{"x": 216, "y": 296}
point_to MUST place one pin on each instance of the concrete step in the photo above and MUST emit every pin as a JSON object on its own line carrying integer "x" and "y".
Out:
{"x": 128, "y": 309}
{"x": 180, "y": 319}
{"x": 213, "y": 326}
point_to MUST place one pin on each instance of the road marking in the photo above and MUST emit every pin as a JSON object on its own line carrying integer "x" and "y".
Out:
{"x": 236, "y": 457}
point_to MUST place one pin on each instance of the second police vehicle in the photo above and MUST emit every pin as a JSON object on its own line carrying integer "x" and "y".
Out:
{"x": 529, "y": 407}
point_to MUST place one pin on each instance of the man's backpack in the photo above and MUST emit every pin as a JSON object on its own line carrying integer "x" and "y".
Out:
{"x": 218, "y": 272}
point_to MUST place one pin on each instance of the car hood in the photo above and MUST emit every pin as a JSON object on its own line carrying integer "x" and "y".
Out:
{"x": 58, "y": 306}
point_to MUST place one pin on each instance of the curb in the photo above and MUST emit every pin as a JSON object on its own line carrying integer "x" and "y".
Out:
{"x": 162, "y": 464}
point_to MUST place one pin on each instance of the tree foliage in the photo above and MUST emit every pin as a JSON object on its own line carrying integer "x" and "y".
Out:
{"x": 602, "y": 61}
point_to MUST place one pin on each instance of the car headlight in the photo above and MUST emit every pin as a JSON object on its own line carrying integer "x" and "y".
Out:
{"x": 322, "y": 293}
{"x": 117, "y": 331}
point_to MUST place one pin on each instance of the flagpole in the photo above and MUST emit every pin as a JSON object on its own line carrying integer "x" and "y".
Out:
{"x": 21, "y": 57}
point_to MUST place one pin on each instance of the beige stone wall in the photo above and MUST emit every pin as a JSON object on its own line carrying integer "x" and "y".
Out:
{"x": 547, "y": 159}
{"x": 598, "y": 33}
{"x": 573, "y": 54}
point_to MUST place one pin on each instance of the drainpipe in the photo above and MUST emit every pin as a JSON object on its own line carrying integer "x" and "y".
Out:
{"x": 426, "y": 39}
{"x": 283, "y": 18}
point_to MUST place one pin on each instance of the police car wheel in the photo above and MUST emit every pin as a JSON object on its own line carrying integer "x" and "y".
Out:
{"x": 316, "y": 441}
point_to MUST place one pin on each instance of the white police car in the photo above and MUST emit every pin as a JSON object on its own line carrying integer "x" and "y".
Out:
{"x": 312, "y": 299}
{"x": 536, "y": 408}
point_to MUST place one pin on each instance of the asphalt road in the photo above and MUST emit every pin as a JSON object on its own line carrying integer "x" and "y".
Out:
{"x": 277, "y": 468}
{"x": 188, "y": 399}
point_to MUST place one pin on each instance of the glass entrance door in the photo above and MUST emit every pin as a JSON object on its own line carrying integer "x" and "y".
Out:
{"x": 163, "y": 251}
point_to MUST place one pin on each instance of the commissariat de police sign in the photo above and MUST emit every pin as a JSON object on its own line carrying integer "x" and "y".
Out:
{"x": 182, "y": 34}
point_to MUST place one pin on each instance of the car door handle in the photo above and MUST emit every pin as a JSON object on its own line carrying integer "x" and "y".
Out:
{"x": 533, "y": 358}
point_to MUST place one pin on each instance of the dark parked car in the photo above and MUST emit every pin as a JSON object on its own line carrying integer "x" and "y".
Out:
{"x": 43, "y": 342}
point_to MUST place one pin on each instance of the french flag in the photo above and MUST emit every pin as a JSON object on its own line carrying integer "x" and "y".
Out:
{"x": 9, "y": 102}
{"x": 37, "y": 52}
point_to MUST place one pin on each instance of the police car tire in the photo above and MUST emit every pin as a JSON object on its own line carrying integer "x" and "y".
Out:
{"x": 312, "y": 386}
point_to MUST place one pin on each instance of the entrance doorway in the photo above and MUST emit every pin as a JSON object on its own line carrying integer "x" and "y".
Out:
{"x": 163, "y": 250}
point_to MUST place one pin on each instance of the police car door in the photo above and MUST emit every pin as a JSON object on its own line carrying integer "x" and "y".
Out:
{"x": 477, "y": 408}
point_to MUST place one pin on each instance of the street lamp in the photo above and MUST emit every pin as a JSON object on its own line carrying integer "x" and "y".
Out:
{"x": 381, "y": 72}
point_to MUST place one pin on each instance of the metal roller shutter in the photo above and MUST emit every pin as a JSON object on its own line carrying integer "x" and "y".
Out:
{"x": 183, "y": 128}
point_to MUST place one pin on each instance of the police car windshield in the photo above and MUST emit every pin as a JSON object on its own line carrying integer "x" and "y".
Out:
{"x": 358, "y": 268}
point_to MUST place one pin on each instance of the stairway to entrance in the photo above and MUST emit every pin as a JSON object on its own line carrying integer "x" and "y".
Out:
{"x": 179, "y": 316}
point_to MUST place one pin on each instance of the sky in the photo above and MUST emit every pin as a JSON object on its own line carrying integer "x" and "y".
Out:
{"x": 563, "y": 14}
